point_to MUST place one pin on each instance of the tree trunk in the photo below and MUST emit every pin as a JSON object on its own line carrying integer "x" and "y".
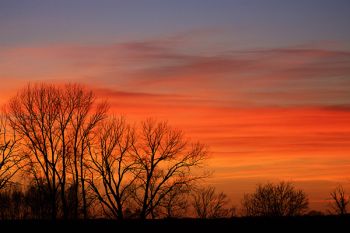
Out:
{"x": 83, "y": 192}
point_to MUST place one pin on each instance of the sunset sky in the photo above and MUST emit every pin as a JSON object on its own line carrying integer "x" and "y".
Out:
{"x": 265, "y": 84}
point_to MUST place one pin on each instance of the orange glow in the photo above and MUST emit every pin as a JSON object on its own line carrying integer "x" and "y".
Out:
{"x": 260, "y": 112}
{"x": 306, "y": 145}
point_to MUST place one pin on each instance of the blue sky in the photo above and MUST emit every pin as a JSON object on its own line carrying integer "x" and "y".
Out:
{"x": 246, "y": 23}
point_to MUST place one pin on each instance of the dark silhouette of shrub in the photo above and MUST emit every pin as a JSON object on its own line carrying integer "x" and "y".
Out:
{"x": 280, "y": 199}
{"x": 340, "y": 201}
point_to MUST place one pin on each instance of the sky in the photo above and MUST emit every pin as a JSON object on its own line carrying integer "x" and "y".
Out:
{"x": 265, "y": 84}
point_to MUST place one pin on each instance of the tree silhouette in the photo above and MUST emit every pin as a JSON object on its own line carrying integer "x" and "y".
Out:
{"x": 113, "y": 170}
{"x": 208, "y": 203}
{"x": 340, "y": 200}
{"x": 165, "y": 161}
{"x": 82, "y": 122}
{"x": 270, "y": 199}
{"x": 54, "y": 123}
{"x": 176, "y": 203}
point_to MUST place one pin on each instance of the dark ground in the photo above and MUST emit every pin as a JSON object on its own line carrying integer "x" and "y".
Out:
{"x": 291, "y": 224}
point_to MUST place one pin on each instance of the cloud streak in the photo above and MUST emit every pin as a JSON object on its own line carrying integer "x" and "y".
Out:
{"x": 281, "y": 76}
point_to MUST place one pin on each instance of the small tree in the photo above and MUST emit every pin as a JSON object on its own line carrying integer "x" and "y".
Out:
{"x": 280, "y": 199}
{"x": 175, "y": 204}
{"x": 208, "y": 203}
{"x": 340, "y": 200}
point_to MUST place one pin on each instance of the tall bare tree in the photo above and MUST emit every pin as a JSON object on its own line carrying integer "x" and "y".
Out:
{"x": 270, "y": 199}
{"x": 165, "y": 161}
{"x": 208, "y": 203}
{"x": 32, "y": 114}
{"x": 53, "y": 123}
{"x": 340, "y": 200}
{"x": 113, "y": 170}
{"x": 10, "y": 157}
{"x": 82, "y": 121}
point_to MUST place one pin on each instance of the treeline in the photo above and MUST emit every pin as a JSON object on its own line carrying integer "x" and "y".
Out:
{"x": 81, "y": 162}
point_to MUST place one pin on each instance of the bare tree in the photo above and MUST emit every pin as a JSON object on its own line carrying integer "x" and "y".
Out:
{"x": 280, "y": 199}
{"x": 113, "y": 170}
{"x": 209, "y": 204}
{"x": 340, "y": 200}
{"x": 10, "y": 157}
{"x": 165, "y": 162}
{"x": 53, "y": 123}
{"x": 33, "y": 114}
{"x": 176, "y": 203}
{"x": 82, "y": 121}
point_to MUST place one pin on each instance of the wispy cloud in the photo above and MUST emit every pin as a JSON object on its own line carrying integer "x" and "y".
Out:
{"x": 281, "y": 76}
